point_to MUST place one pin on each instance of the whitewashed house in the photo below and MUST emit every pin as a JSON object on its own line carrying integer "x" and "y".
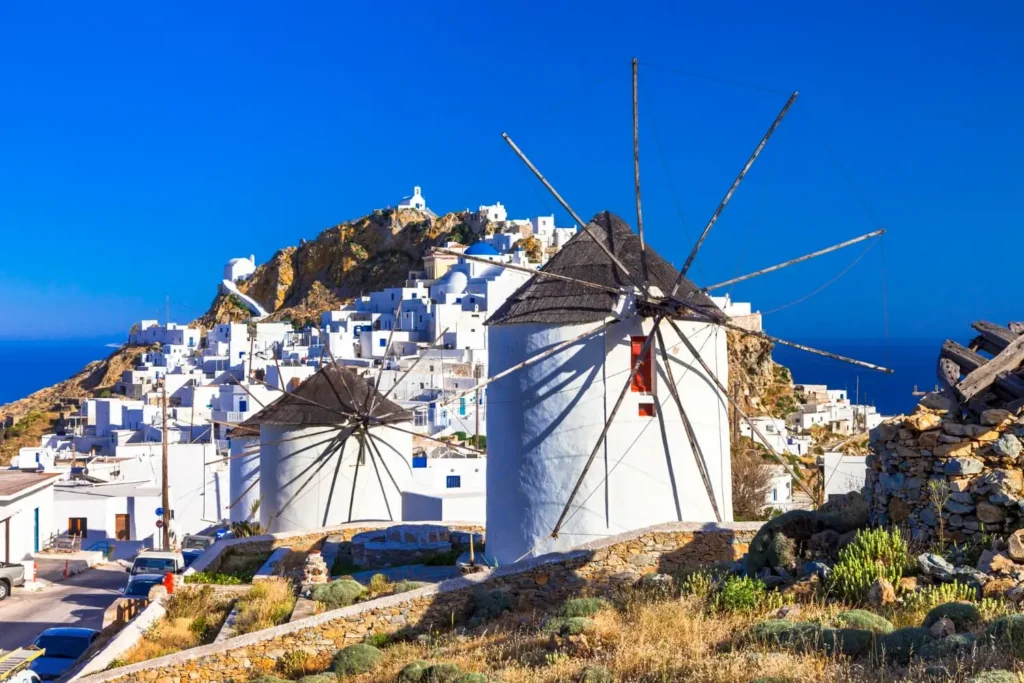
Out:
{"x": 239, "y": 268}
{"x": 26, "y": 513}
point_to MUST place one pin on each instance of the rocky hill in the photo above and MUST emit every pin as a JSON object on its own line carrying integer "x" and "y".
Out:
{"x": 343, "y": 262}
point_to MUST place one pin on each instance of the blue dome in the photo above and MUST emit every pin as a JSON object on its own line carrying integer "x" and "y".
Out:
{"x": 482, "y": 249}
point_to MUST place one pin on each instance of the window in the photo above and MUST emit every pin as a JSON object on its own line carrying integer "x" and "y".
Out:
{"x": 383, "y": 342}
{"x": 78, "y": 525}
{"x": 453, "y": 481}
{"x": 642, "y": 380}
{"x": 647, "y": 410}
{"x": 414, "y": 295}
{"x": 419, "y": 462}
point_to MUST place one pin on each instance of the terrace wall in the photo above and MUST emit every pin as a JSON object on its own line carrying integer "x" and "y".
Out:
{"x": 540, "y": 583}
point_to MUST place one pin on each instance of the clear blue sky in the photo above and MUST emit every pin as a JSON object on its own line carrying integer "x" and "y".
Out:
{"x": 144, "y": 144}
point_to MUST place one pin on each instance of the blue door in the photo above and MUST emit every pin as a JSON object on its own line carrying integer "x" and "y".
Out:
{"x": 462, "y": 406}
{"x": 35, "y": 539}
{"x": 243, "y": 405}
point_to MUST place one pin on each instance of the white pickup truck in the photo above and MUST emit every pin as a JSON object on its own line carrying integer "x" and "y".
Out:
{"x": 11, "y": 575}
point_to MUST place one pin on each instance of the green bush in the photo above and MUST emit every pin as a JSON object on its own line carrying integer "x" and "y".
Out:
{"x": 846, "y": 641}
{"x": 781, "y": 552}
{"x": 472, "y": 678}
{"x": 700, "y": 584}
{"x": 443, "y": 672}
{"x": 582, "y": 607}
{"x": 378, "y": 640}
{"x": 931, "y": 596}
{"x": 340, "y": 593}
{"x": 655, "y": 587}
{"x": 594, "y": 673}
{"x": 964, "y": 615}
{"x": 488, "y": 605}
{"x": 443, "y": 559}
{"x": 213, "y": 578}
{"x": 900, "y": 645}
{"x": 741, "y": 593}
{"x": 319, "y": 678}
{"x": 567, "y": 626}
{"x": 268, "y": 678}
{"x": 412, "y": 672}
{"x": 790, "y": 635}
{"x": 1007, "y": 633}
{"x": 873, "y": 554}
{"x": 355, "y": 659}
{"x": 863, "y": 619}
{"x": 406, "y": 586}
{"x": 956, "y": 645}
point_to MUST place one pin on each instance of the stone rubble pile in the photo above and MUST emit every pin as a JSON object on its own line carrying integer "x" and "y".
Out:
{"x": 315, "y": 570}
{"x": 935, "y": 465}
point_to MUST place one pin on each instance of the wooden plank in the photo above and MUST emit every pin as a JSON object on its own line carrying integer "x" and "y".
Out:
{"x": 997, "y": 335}
{"x": 1016, "y": 327}
{"x": 948, "y": 373}
{"x": 967, "y": 360}
{"x": 981, "y": 378}
{"x": 1011, "y": 384}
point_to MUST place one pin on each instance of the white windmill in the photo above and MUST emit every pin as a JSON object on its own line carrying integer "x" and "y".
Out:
{"x": 609, "y": 408}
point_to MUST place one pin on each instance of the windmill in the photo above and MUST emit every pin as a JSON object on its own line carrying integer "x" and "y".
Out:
{"x": 606, "y": 323}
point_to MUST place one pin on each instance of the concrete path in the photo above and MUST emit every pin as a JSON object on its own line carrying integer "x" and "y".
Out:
{"x": 79, "y": 601}
{"x": 411, "y": 572}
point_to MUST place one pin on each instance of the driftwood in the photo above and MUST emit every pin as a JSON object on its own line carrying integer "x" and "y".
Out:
{"x": 986, "y": 382}
{"x": 961, "y": 355}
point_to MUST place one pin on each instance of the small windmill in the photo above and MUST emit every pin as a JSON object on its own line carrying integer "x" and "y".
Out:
{"x": 605, "y": 296}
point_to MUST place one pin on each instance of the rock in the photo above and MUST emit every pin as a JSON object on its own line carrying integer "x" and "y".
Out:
{"x": 1015, "y": 545}
{"x": 908, "y": 584}
{"x": 1016, "y": 594}
{"x": 933, "y": 400}
{"x": 953, "y": 450}
{"x": 881, "y": 593}
{"x": 787, "y": 611}
{"x": 928, "y": 516}
{"x": 942, "y": 628}
{"x": 970, "y": 576}
{"x": 997, "y": 587}
{"x": 962, "y": 497}
{"x": 964, "y": 615}
{"x": 929, "y": 439}
{"x": 892, "y": 482}
{"x": 824, "y": 542}
{"x": 1007, "y": 446}
{"x": 899, "y": 511}
{"x": 935, "y": 566}
{"x": 819, "y": 569}
{"x": 994, "y": 416}
{"x": 958, "y": 508}
{"x": 956, "y": 521}
{"x": 886, "y": 431}
{"x": 989, "y": 514}
{"x": 992, "y": 562}
{"x": 963, "y": 466}
{"x": 922, "y": 422}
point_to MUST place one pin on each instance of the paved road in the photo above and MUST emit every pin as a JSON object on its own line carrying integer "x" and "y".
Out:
{"x": 79, "y": 601}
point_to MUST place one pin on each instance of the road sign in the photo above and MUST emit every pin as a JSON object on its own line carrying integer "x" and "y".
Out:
{"x": 159, "y": 524}
{"x": 159, "y": 512}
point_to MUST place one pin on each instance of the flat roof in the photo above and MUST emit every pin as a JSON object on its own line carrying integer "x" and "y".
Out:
{"x": 15, "y": 482}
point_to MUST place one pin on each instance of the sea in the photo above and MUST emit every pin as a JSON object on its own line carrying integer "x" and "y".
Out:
{"x": 26, "y": 366}
{"x": 29, "y": 365}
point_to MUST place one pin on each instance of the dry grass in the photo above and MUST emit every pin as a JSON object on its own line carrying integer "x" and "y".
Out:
{"x": 676, "y": 640}
{"x": 194, "y": 615}
{"x": 267, "y": 604}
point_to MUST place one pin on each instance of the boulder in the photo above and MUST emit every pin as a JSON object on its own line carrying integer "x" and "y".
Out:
{"x": 887, "y": 431}
{"x": 991, "y": 562}
{"x": 997, "y": 587}
{"x": 824, "y": 543}
{"x": 994, "y": 416}
{"x": 942, "y": 628}
{"x": 934, "y": 400}
{"x": 962, "y": 465}
{"x": 935, "y": 566}
{"x": 892, "y": 482}
{"x": 970, "y": 576}
{"x": 881, "y": 593}
{"x": 846, "y": 512}
{"x": 929, "y": 439}
{"x": 1007, "y": 446}
{"x": 958, "y": 508}
{"x": 922, "y": 422}
{"x": 1015, "y": 545}
{"x": 989, "y": 513}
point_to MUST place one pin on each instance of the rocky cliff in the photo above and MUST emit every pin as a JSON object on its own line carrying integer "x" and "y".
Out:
{"x": 764, "y": 386}
{"x": 343, "y": 262}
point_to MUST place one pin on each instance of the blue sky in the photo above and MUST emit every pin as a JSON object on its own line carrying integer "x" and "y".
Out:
{"x": 144, "y": 144}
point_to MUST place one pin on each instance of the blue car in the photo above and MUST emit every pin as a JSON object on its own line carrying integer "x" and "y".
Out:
{"x": 63, "y": 647}
{"x": 139, "y": 585}
{"x": 195, "y": 545}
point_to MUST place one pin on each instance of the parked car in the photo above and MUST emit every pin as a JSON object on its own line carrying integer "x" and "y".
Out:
{"x": 139, "y": 585}
{"x": 11, "y": 575}
{"x": 195, "y": 545}
{"x": 63, "y": 646}
{"x": 157, "y": 562}
{"x": 25, "y": 676}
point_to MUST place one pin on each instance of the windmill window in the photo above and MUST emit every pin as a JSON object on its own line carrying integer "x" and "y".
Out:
{"x": 453, "y": 481}
{"x": 643, "y": 377}
{"x": 647, "y": 410}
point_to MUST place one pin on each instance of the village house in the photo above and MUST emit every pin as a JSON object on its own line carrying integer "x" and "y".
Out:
{"x": 26, "y": 513}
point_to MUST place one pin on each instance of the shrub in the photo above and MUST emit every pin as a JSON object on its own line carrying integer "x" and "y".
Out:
{"x": 443, "y": 559}
{"x": 337, "y": 594}
{"x": 268, "y": 678}
{"x": 319, "y": 678}
{"x": 567, "y": 626}
{"x": 406, "y": 586}
{"x": 741, "y": 593}
{"x": 700, "y": 584}
{"x": 964, "y": 615}
{"x": 781, "y": 552}
{"x": 595, "y": 674}
{"x": 655, "y": 587}
{"x": 863, "y": 619}
{"x": 846, "y": 641}
{"x": 267, "y": 604}
{"x": 472, "y": 678}
{"x": 294, "y": 663}
{"x": 1007, "y": 632}
{"x": 994, "y": 676}
{"x": 791, "y": 635}
{"x": 412, "y": 672}
{"x": 202, "y": 628}
{"x": 215, "y": 578}
{"x": 443, "y": 672}
{"x": 379, "y": 584}
{"x": 582, "y": 607}
{"x": 956, "y": 645}
{"x": 489, "y": 604}
{"x": 931, "y": 596}
{"x": 378, "y": 640}
{"x": 356, "y": 659}
{"x": 189, "y": 602}
{"x": 900, "y": 645}
{"x": 873, "y": 554}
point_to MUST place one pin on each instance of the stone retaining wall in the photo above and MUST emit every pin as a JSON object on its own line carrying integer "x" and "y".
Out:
{"x": 539, "y": 583}
{"x": 933, "y": 464}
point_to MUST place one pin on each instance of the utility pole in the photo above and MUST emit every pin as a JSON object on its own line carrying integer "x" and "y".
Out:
{"x": 166, "y": 499}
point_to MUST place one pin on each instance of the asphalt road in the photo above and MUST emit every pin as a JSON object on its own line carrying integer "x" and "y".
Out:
{"x": 79, "y": 601}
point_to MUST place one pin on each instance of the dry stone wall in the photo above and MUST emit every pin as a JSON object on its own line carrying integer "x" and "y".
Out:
{"x": 935, "y": 465}
{"x": 539, "y": 583}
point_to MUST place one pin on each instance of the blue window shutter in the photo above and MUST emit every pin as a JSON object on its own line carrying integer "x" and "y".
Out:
{"x": 453, "y": 481}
